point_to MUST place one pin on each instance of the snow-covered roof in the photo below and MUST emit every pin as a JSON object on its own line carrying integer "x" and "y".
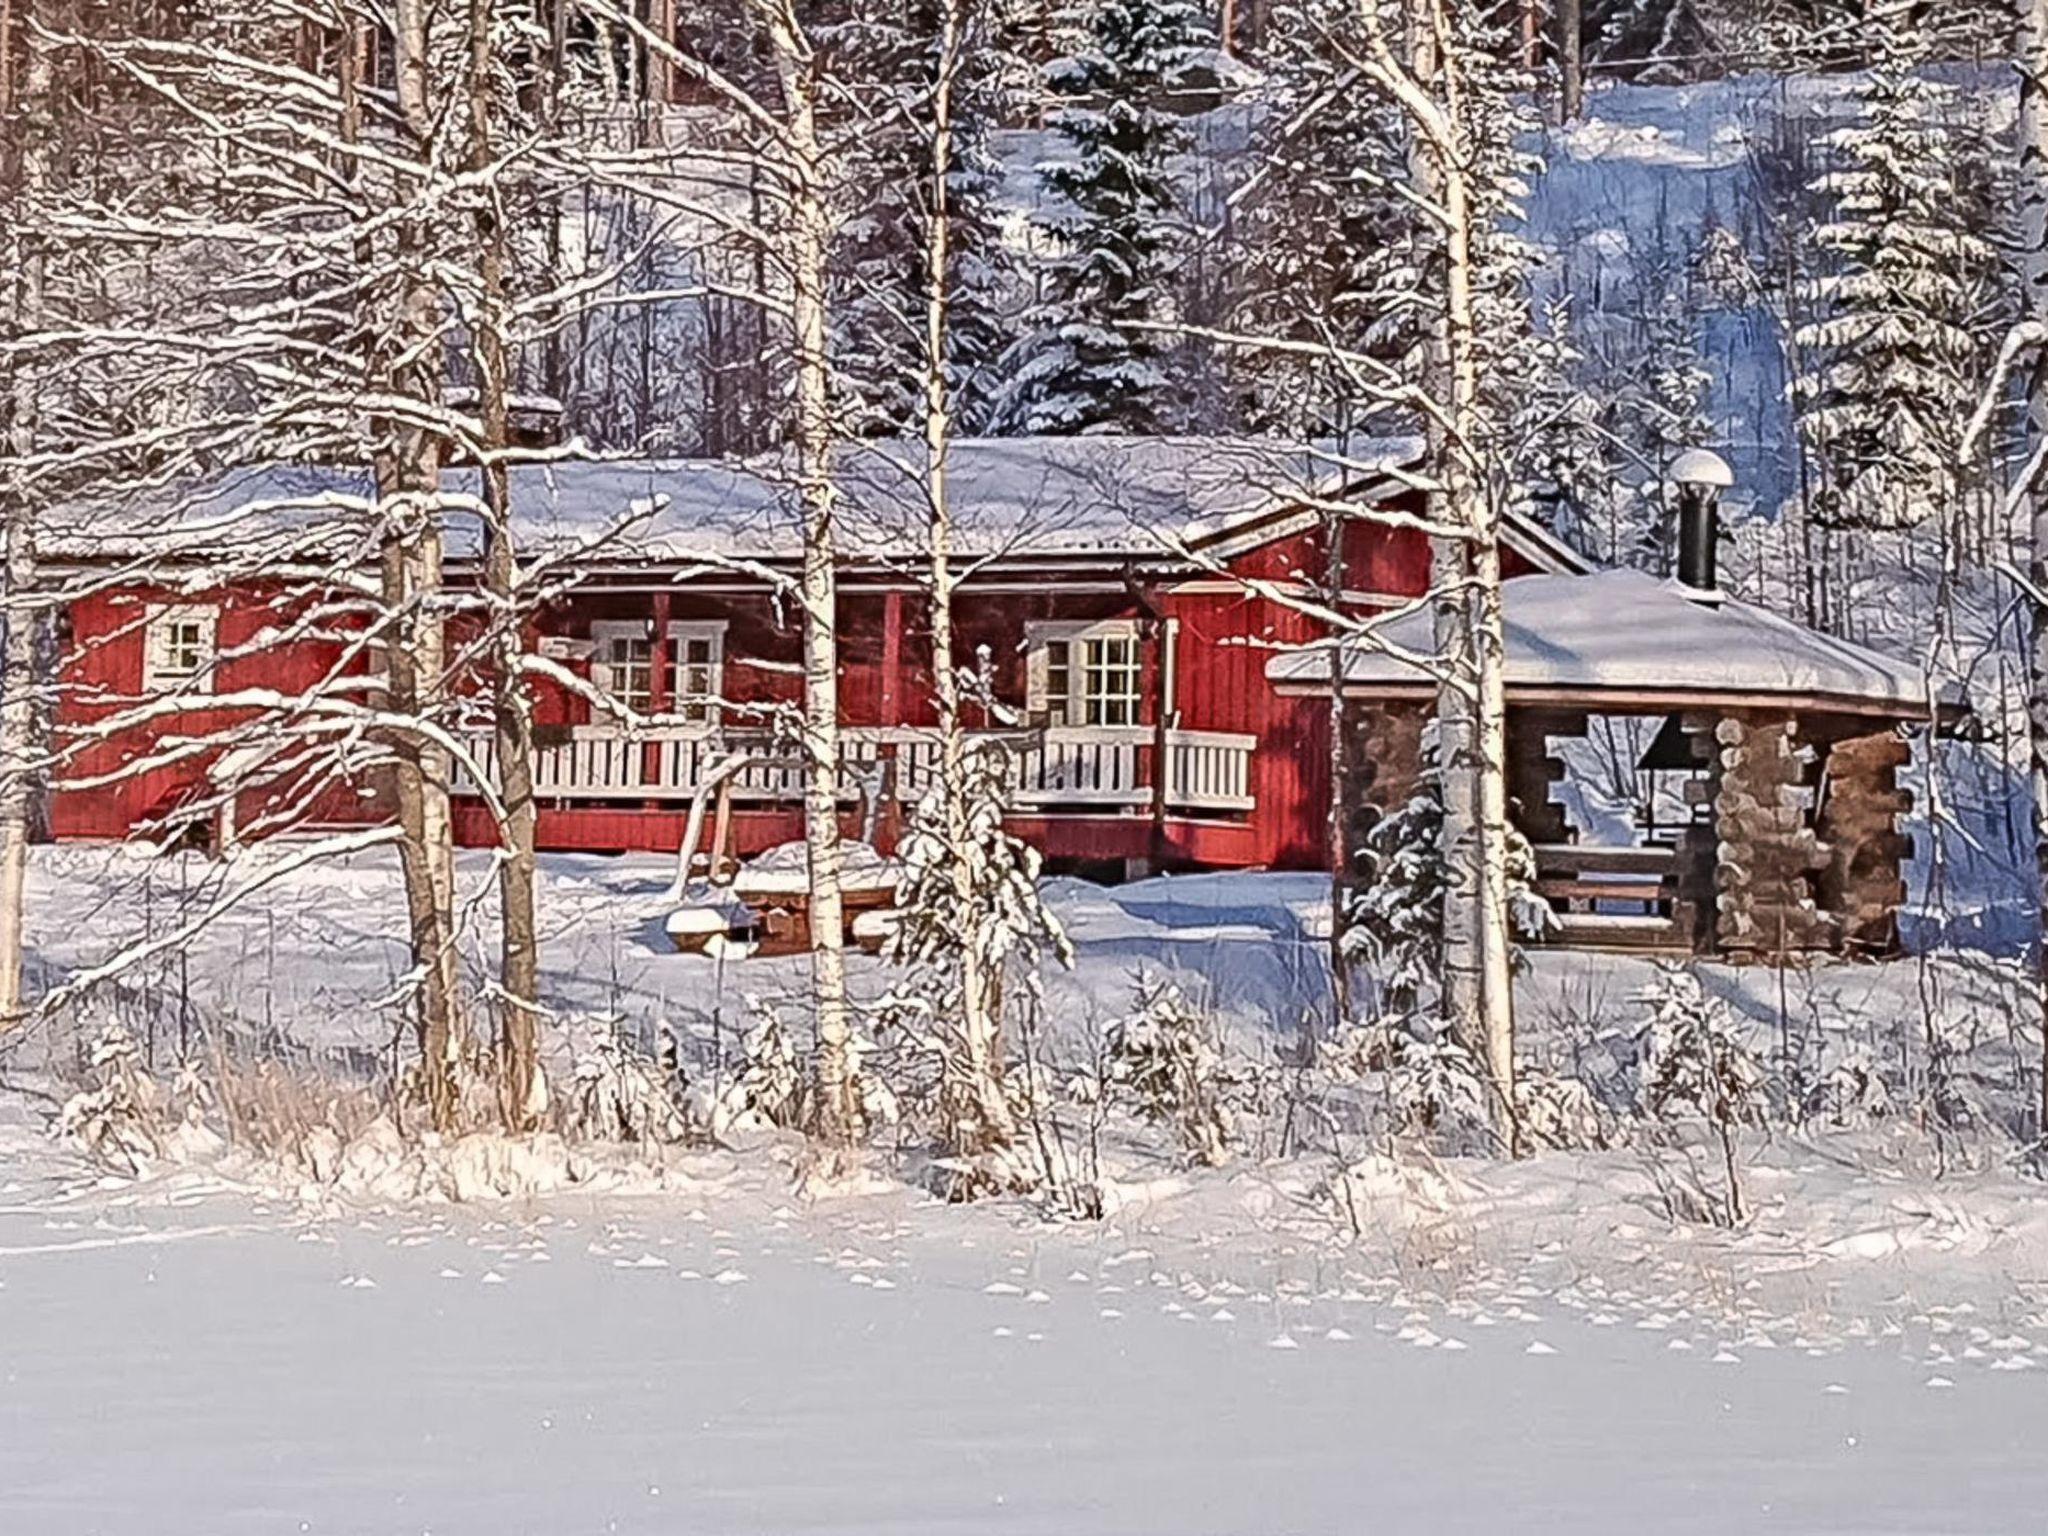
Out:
{"x": 1022, "y": 497}
{"x": 1625, "y": 633}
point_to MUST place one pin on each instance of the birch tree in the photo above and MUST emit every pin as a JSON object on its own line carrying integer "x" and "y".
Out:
{"x": 1431, "y": 59}
{"x": 2031, "y": 53}
{"x": 23, "y": 176}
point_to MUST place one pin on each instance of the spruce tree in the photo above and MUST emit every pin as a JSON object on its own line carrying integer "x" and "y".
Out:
{"x": 1114, "y": 227}
{"x": 1892, "y": 354}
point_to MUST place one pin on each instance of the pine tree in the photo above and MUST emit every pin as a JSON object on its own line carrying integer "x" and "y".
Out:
{"x": 1892, "y": 354}
{"x": 1114, "y": 226}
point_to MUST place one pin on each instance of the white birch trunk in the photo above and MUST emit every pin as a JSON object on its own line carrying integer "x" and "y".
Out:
{"x": 836, "y": 1110}
{"x": 1465, "y": 571}
{"x": 2031, "y": 49}
{"x": 975, "y": 1112}
{"x": 523, "y": 1093}
{"x": 409, "y": 476}
{"x": 18, "y": 663}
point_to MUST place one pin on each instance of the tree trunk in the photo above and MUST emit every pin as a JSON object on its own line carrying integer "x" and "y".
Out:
{"x": 973, "y": 1108}
{"x": 2031, "y": 47}
{"x": 408, "y": 472}
{"x": 1466, "y": 576}
{"x": 522, "y": 1090}
{"x": 1571, "y": 61}
{"x": 836, "y": 1110}
{"x": 18, "y": 661}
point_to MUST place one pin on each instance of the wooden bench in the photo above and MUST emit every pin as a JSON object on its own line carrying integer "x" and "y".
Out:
{"x": 1576, "y": 879}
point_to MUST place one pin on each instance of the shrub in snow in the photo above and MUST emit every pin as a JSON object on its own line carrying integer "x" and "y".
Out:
{"x": 1165, "y": 1055}
{"x": 1694, "y": 1064}
{"x": 1559, "y": 1112}
{"x": 618, "y": 1094}
{"x": 1436, "y": 1086}
{"x": 1853, "y": 1092}
{"x": 117, "y": 1121}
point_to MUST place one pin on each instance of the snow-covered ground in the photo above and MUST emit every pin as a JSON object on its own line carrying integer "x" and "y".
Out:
{"x": 188, "y": 1356}
{"x": 688, "y": 1343}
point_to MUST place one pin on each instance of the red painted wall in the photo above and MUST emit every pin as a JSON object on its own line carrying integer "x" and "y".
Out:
{"x": 1225, "y": 638}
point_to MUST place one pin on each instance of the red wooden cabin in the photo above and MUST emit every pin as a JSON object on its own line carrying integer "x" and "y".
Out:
{"x": 1123, "y": 596}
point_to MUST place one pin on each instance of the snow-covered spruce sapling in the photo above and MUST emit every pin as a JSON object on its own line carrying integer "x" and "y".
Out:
{"x": 1166, "y": 1056}
{"x": 118, "y": 1120}
{"x": 1397, "y": 916}
{"x": 1694, "y": 1064}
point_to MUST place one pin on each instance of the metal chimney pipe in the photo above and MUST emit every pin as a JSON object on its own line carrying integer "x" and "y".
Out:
{"x": 1700, "y": 477}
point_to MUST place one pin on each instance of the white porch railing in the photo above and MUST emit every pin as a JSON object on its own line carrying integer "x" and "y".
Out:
{"x": 1069, "y": 768}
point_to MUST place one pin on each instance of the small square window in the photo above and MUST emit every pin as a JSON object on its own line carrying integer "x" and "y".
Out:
{"x": 179, "y": 649}
{"x": 1110, "y": 680}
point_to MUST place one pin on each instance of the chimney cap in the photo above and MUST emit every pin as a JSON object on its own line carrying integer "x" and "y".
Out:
{"x": 1699, "y": 466}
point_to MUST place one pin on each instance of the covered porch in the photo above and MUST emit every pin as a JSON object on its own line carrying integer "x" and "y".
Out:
{"x": 1754, "y": 801}
{"x": 1079, "y": 690}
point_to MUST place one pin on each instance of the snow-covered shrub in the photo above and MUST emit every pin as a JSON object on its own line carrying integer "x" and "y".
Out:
{"x": 1694, "y": 1064}
{"x": 618, "y": 1094}
{"x": 118, "y": 1120}
{"x": 1557, "y": 1112}
{"x": 1853, "y": 1092}
{"x": 1436, "y": 1086}
{"x": 770, "y": 1089}
{"x": 1166, "y": 1056}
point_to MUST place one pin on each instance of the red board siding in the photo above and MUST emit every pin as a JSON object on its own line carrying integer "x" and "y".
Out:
{"x": 1225, "y": 636}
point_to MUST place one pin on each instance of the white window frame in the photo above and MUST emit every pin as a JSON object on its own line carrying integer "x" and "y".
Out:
{"x": 602, "y": 633}
{"x": 1049, "y": 643}
{"x": 159, "y": 675}
{"x": 712, "y": 631}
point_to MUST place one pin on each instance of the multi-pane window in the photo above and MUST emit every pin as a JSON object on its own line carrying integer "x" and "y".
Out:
{"x": 627, "y": 657}
{"x": 696, "y": 651}
{"x": 178, "y": 648}
{"x": 1086, "y": 674}
{"x": 1109, "y": 681}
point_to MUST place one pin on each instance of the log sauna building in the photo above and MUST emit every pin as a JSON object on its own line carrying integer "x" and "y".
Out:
{"x": 1781, "y": 746}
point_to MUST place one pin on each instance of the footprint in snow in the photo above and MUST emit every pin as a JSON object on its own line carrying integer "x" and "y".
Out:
{"x": 728, "y": 1277}
{"x": 645, "y": 1261}
{"x": 1001, "y": 1288}
{"x": 1538, "y": 1347}
{"x": 451, "y": 1274}
{"x": 1939, "y": 1383}
{"x": 492, "y": 1277}
{"x": 1284, "y": 1341}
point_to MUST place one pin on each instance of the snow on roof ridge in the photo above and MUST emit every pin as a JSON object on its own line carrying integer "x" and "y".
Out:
{"x": 1625, "y": 630}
